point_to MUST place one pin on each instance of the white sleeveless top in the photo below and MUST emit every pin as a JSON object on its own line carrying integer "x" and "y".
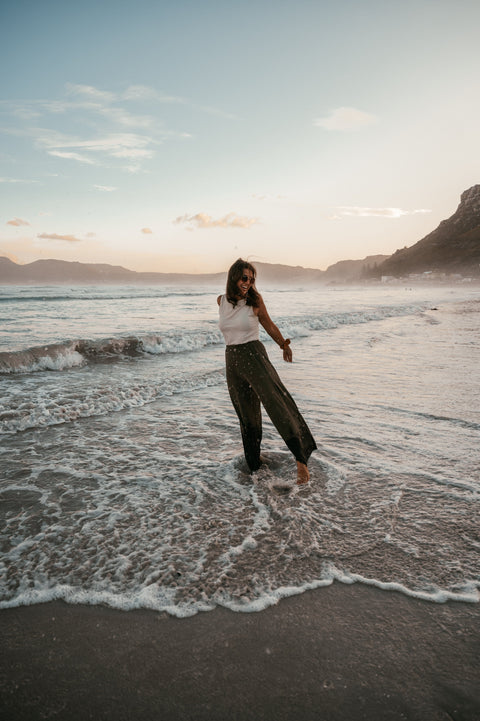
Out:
{"x": 238, "y": 324}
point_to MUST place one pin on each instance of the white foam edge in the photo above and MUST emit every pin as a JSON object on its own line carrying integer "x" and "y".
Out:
{"x": 472, "y": 595}
{"x": 162, "y": 600}
{"x": 272, "y": 598}
{"x": 151, "y": 598}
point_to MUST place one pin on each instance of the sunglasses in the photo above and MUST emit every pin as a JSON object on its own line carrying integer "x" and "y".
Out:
{"x": 248, "y": 278}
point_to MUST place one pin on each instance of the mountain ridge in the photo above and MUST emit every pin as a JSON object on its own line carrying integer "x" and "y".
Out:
{"x": 63, "y": 271}
{"x": 453, "y": 247}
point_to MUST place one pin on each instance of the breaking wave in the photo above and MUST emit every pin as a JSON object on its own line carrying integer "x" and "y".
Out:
{"x": 78, "y": 352}
{"x": 72, "y": 353}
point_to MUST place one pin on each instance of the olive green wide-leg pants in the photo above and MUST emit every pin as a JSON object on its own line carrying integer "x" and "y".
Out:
{"x": 252, "y": 380}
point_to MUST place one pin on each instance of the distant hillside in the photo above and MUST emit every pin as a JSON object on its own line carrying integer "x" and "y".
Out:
{"x": 351, "y": 271}
{"x": 62, "y": 271}
{"x": 274, "y": 273}
{"x": 454, "y": 247}
{"x": 51, "y": 271}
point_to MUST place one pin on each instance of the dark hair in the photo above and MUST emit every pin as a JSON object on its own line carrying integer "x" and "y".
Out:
{"x": 234, "y": 275}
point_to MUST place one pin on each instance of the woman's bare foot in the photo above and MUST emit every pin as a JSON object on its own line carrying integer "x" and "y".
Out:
{"x": 303, "y": 476}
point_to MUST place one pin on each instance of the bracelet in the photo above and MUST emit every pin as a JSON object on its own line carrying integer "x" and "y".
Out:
{"x": 285, "y": 343}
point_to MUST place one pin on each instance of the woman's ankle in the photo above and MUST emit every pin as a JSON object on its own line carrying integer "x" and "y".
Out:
{"x": 303, "y": 476}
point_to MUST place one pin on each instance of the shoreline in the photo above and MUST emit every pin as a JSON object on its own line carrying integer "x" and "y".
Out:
{"x": 335, "y": 653}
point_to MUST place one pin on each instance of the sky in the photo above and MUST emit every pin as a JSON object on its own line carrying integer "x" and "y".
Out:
{"x": 177, "y": 136}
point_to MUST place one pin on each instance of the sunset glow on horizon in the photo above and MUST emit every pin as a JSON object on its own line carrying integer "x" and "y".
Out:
{"x": 178, "y": 136}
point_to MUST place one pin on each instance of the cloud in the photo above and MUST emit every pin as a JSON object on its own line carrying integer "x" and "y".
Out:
{"x": 97, "y": 147}
{"x": 202, "y": 220}
{"x": 103, "y": 100}
{"x": 345, "y": 119}
{"x": 16, "y": 180}
{"x": 131, "y": 146}
{"x": 106, "y": 103}
{"x": 72, "y": 156}
{"x": 117, "y": 114}
{"x": 215, "y": 111}
{"x": 104, "y": 116}
{"x": 361, "y": 212}
{"x": 147, "y": 231}
{"x": 26, "y": 113}
{"x": 129, "y": 152}
{"x": 270, "y": 198}
{"x": 54, "y": 236}
{"x": 133, "y": 92}
{"x": 90, "y": 92}
{"x": 123, "y": 117}
{"x": 111, "y": 143}
{"x": 17, "y": 222}
{"x": 105, "y": 188}
{"x": 139, "y": 92}
{"x": 143, "y": 92}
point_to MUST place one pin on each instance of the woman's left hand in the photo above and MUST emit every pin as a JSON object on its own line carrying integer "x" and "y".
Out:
{"x": 287, "y": 354}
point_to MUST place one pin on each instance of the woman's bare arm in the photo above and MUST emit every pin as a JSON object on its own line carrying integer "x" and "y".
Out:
{"x": 273, "y": 331}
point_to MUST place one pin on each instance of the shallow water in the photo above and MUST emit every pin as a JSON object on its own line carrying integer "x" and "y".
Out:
{"x": 123, "y": 479}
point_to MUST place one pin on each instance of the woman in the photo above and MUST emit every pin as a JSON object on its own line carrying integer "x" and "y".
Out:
{"x": 251, "y": 378}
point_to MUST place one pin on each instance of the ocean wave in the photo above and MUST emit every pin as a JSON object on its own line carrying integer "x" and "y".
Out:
{"x": 73, "y": 353}
{"x": 56, "y": 356}
{"x": 53, "y": 407}
{"x": 86, "y": 296}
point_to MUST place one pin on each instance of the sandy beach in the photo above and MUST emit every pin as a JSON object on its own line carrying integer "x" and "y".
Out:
{"x": 341, "y": 652}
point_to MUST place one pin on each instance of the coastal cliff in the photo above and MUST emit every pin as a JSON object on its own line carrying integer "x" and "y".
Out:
{"x": 453, "y": 247}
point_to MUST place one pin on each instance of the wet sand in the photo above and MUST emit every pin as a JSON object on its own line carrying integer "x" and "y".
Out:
{"x": 341, "y": 653}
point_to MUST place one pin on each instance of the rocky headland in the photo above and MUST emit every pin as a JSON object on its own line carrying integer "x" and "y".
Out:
{"x": 451, "y": 249}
